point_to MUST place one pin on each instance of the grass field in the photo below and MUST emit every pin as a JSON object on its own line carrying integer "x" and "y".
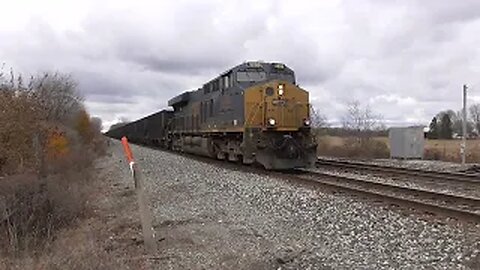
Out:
{"x": 447, "y": 150}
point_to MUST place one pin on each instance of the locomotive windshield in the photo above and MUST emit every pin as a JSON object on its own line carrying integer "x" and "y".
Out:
{"x": 280, "y": 72}
{"x": 251, "y": 76}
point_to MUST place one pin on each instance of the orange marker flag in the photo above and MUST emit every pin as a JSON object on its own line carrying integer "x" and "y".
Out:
{"x": 126, "y": 148}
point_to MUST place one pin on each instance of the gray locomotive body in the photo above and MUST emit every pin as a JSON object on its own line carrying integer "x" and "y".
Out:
{"x": 253, "y": 112}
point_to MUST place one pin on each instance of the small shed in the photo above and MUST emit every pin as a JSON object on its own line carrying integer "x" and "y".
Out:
{"x": 406, "y": 142}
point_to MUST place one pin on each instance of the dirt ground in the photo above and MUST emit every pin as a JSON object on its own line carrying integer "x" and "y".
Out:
{"x": 115, "y": 226}
{"x": 109, "y": 234}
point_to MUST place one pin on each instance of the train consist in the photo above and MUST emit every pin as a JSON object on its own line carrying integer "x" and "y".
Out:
{"x": 253, "y": 113}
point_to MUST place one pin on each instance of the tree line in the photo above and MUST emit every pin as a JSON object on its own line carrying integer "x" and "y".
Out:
{"x": 448, "y": 124}
{"x": 361, "y": 120}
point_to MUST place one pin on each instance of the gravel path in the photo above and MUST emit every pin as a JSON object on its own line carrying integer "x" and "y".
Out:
{"x": 210, "y": 217}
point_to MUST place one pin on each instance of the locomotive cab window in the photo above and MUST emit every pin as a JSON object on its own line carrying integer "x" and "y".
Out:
{"x": 284, "y": 74}
{"x": 251, "y": 76}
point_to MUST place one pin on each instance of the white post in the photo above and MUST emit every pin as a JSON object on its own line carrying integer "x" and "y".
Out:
{"x": 145, "y": 214}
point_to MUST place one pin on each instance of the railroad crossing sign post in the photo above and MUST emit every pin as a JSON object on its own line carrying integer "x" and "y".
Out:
{"x": 145, "y": 215}
{"x": 463, "y": 148}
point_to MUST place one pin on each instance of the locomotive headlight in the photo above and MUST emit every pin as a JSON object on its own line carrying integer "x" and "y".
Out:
{"x": 281, "y": 90}
{"x": 306, "y": 122}
{"x": 271, "y": 122}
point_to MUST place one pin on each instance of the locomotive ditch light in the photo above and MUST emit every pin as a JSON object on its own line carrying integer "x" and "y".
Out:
{"x": 306, "y": 122}
{"x": 281, "y": 89}
{"x": 279, "y": 66}
{"x": 272, "y": 122}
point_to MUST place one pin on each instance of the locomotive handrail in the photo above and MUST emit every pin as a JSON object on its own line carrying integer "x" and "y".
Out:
{"x": 296, "y": 106}
{"x": 254, "y": 112}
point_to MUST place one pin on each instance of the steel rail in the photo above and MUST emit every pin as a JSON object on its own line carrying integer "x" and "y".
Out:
{"x": 436, "y": 175}
{"x": 441, "y": 203}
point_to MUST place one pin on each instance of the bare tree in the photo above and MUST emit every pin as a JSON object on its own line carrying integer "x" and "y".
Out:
{"x": 96, "y": 123}
{"x": 362, "y": 124}
{"x": 318, "y": 120}
{"x": 361, "y": 119}
{"x": 2, "y": 77}
{"x": 475, "y": 116}
{"x": 28, "y": 112}
{"x": 17, "y": 127}
{"x": 58, "y": 96}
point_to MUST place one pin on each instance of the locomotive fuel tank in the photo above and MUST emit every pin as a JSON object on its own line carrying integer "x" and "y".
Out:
{"x": 197, "y": 145}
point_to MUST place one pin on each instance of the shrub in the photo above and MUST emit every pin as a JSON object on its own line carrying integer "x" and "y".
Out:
{"x": 433, "y": 154}
{"x": 34, "y": 208}
{"x": 47, "y": 145}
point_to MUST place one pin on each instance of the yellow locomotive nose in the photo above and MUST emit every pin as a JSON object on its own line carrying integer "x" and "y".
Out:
{"x": 277, "y": 132}
{"x": 276, "y": 105}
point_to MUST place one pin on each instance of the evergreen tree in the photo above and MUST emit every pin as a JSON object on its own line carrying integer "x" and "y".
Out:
{"x": 446, "y": 127}
{"x": 433, "y": 132}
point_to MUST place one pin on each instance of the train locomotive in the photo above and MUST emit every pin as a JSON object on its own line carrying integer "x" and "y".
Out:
{"x": 252, "y": 113}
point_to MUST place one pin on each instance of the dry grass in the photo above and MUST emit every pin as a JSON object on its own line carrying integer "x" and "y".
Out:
{"x": 352, "y": 147}
{"x": 445, "y": 150}
{"x": 449, "y": 150}
{"x": 40, "y": 218}
{"x": 71, "y": 249}
{"x": 34, "y": 207}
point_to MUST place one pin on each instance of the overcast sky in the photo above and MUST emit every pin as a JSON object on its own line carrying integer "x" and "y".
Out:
{"x": 407, "y": 59}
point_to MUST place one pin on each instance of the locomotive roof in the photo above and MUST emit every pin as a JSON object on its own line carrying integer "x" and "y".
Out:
{"x": 266, "y": 66}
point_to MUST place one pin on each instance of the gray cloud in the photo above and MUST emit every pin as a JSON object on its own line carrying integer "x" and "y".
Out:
{"x": 406, "y": 59}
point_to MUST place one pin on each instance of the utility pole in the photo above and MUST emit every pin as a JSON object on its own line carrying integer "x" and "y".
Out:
{"x": 463, "y": 149}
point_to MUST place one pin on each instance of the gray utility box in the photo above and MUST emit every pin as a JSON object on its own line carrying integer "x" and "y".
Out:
{"x": 406, "y": 142}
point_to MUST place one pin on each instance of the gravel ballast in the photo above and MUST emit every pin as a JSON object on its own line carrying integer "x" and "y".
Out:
{"x": 217, "y": 217}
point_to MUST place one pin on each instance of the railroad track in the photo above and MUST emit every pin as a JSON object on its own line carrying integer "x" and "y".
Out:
{"x": 457, "y": 206}
{"x": 432, "y": 175}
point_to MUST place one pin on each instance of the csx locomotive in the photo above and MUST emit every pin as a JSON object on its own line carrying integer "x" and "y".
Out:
{"x": 253, "y": 113}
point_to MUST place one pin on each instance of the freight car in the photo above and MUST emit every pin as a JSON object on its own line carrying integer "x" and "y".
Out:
{"x": 254, "y": 112}
{"x": 150, "y": 130}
